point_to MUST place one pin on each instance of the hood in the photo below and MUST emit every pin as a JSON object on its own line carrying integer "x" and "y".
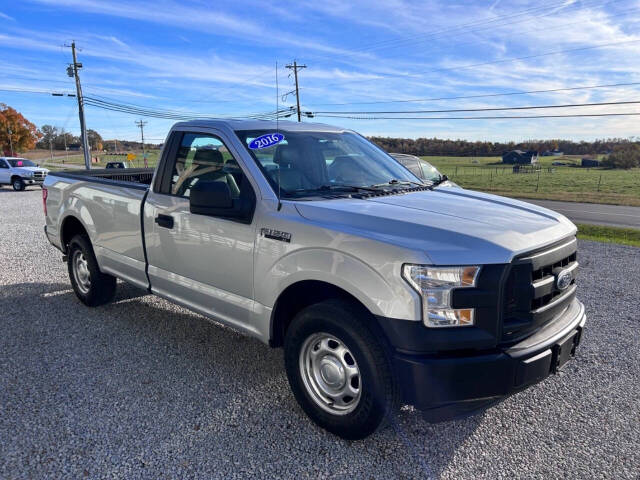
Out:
{"x": 451, "y": 226}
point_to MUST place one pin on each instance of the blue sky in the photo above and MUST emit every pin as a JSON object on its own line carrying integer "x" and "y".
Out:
{"x": 218, "y": 58}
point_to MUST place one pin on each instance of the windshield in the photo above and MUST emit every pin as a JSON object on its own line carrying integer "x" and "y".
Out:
{"x": 305, "y": 163}
{"x": 21, "y": 162}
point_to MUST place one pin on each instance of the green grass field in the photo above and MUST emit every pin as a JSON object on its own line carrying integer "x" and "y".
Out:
{"x": 593, "y": 185}
{"x": 599, "y": 233}
{"x": 63, "y": 162}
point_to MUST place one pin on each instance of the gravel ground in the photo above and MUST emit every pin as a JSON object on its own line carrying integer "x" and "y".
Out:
{"x": 144, "y": 389}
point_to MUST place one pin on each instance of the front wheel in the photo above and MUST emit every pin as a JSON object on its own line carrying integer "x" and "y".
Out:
{"x": 92, "y": 287}
{"x": 339, "y": 371}
{"x": 18, "y": 184}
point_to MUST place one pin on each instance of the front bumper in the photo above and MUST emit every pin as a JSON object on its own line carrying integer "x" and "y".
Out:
{"x": 33, "y": 181}
{"x": 450, "y": 385}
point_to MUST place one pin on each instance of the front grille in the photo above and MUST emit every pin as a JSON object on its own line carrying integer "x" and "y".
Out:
{"x": 531, "y": 296}
{"x": 39, "y": 175}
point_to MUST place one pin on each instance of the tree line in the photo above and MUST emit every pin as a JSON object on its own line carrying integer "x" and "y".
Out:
{"x": 59, "y": 139}
{"x": 464, "y": 148}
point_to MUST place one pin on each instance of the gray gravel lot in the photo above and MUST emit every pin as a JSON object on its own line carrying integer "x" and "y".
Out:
{"x": 145, "y": 389}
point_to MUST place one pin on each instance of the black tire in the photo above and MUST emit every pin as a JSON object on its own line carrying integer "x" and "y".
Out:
{"x": 101, "y": 287}
{"x": 379, "y": 396}
{"x": 18, "y": 184}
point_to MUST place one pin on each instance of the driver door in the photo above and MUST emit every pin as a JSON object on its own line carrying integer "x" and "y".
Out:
{"x": 201, "y": 261}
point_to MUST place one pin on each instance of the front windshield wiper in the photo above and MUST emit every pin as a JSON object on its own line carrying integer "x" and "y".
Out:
{"x": 337, "y": 186}
{"x": 395, "y": 181}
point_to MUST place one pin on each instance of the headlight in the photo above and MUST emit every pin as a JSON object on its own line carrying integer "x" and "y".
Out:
{"x": 434, "y": 284}
{"x": 27, "y": 173}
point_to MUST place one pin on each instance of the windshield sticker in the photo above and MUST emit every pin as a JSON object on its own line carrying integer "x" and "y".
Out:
{"x": 266, "y": 141}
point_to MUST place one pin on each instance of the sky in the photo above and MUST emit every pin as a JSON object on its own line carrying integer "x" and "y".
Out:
{"x": 219, "y": 59}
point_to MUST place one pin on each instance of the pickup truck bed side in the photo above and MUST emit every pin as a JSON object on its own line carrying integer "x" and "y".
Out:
{"x": 110, "y": 212}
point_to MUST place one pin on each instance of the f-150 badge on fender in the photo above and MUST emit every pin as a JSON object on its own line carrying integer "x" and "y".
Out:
{"x": 275, "y": 234}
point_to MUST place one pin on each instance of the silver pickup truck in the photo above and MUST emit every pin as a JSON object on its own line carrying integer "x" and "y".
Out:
{"x": 382, "y": 288}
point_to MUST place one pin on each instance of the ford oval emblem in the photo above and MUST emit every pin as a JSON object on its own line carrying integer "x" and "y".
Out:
{"x": 563, "y": 280}
{"x": 266, "y": 141}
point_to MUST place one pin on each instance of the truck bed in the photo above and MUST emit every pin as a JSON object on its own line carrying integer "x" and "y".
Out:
{"x": 128, "y": 177}
{"x": 109, "y": 202}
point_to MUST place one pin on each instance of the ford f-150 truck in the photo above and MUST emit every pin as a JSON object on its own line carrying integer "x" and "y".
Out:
{"x": 383, "y": 289}
{"x": 20, "y": 172}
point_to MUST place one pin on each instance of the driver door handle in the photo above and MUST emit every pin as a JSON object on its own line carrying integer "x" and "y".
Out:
{"x": 165, "y": 221}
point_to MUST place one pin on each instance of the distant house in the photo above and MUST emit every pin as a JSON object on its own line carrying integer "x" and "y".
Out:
{"x": 74, "y": 147}
{"x": 520, "y": 157}
{"x": 552, "y": 153}
{"x": 590, "y": 162}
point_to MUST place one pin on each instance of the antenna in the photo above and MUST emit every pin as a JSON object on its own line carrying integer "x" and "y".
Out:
{"x": 278, "y": 131}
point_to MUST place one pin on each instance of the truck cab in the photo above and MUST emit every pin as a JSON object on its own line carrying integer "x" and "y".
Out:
{"x": 381, "y": 289}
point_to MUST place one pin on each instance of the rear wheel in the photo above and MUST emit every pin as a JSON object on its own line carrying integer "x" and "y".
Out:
{"x": 339, "y": 371}
{"x": 18, "y": 184}
{"x": 92, "y": 286}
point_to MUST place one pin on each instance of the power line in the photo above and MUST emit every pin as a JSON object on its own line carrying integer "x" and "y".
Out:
{"x": 138, "y": 109}
{"x": 506, "y": 20}
{"x": 168, "y": 115}
{"x": 486, "y": 21}
{"x": 487, "y": 109}
{"x": 418, "y": 100}
{"x": 492, "y": 62}
{"x": 577, "y": 115}
{"x": 45, "y": 92}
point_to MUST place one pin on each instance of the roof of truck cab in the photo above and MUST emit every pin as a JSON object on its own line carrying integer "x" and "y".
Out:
{"x": 237, "y": 124}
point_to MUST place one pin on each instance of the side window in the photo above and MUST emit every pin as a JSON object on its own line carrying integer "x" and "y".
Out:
{"x": 3, "y": 164}
{"x": 205, "y": 158}
{"x": 412, "y": 164}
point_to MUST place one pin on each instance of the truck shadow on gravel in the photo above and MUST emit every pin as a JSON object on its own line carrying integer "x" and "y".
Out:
{"x": 171, "y": 392}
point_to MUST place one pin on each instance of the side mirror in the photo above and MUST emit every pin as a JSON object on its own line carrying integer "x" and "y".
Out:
{"x": 212, "y": 198}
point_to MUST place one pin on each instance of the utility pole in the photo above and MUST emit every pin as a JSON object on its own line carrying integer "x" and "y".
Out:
{"x": 295, "y": 67}
{"x": 66, "y": 151}
{"x": 10, "y": 132}
{"x": 141, "y": 124}
{"x": 72, "y": 71}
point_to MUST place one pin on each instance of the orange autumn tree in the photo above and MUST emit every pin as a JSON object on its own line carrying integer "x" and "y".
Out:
{"x": 24, "y": 134}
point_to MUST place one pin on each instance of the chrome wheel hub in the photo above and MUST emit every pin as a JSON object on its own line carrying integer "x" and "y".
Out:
{"x": 81, "y": 272}
{"x": 330, "y": 374}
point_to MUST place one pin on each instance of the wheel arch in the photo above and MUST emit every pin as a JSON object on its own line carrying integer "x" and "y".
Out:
{"x": 300, "y": 295}
{"x": 70, "y": 227}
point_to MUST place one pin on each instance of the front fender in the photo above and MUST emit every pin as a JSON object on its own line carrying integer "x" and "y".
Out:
{"x": 371, "y": 288}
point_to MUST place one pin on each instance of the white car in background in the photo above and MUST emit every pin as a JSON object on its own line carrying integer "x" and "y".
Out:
{"x": 423, "y": 170}
{"x": 21, "y": 172}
